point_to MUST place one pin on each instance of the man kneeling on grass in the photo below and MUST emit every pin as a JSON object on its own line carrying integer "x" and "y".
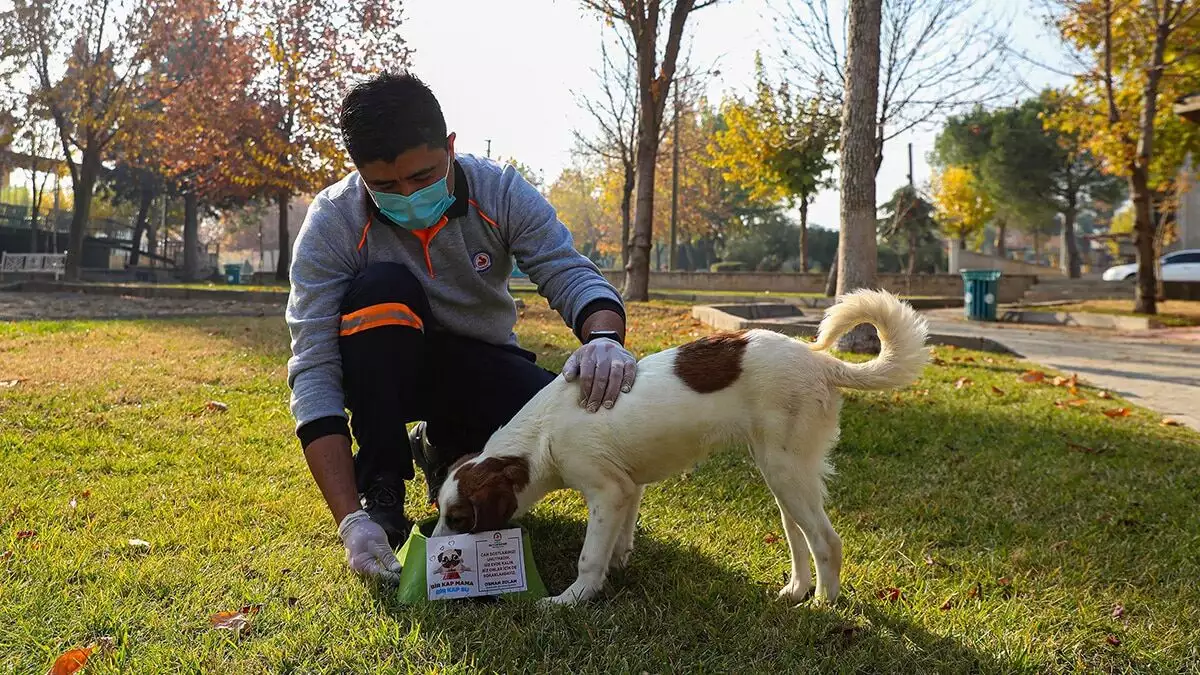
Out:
{"x": 400, "y": 312}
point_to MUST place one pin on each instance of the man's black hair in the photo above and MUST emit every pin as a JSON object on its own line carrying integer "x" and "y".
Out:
{"x": 389, "y": 114}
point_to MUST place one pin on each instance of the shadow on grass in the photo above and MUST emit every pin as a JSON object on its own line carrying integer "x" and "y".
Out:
{"x": 675, "y": 609}
{"x": 1072, "y": 522}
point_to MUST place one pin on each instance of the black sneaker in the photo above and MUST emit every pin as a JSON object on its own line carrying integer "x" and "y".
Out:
{"x": 432, "y": 462}
{"x": 384, "y": 503}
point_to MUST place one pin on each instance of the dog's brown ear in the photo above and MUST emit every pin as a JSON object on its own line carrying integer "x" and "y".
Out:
{"x": 493, "y": 507}
{"x": 517, "y": 471}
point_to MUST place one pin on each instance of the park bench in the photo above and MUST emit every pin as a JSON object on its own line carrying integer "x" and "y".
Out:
{"x": 33, "y": 263}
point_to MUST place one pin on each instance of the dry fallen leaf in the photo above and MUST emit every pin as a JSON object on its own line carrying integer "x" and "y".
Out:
{"x": 937, "y": 362}
{"x": 976, "y": 590}
{"x": 889, "y": 594}
{"x": 1170, "y": 422}
{"x": 963, "y": 382}
{"x": 139, "y": 544}
{"x": 997, "y": 390}
{"x": 1073, "y": 403}
{"x": 238, "y": 622}
{"x": 1113, "y": 640}
{"x": 1104, "y": 395}
{"x": 771, "y": 538}
{"x": 5, "y": 556}
{"x": 1004, "y": 581}
{"x": 1118, "y": 611}
{"x": 216, "y": 406}
{"x": 71, "y": 661}
{"x": 26, "y": 534}
{"x": 1117, "y": 412}
{"x": 948, "y": 604}
{"x": 1033, "y": 376}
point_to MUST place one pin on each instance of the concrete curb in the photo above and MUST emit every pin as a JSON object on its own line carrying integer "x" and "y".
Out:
{"x": 798, "y": 325}
{"x": 1084, "y": 319}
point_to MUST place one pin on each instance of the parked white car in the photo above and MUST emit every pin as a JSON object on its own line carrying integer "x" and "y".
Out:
{"x": 1178, "y": 266}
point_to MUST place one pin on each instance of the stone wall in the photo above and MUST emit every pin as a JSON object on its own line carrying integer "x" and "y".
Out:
{"x": 1012, "y": 286}
{"x": 969, "y": 260}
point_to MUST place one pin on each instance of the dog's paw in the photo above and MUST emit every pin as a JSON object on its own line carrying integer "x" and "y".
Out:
{"x": 796, "y": 591}
{"x": 560, "y": 600}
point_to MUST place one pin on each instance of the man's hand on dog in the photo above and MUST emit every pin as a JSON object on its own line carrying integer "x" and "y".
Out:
{"x": 604, "y": 369}
{"x": 367, "y": 549}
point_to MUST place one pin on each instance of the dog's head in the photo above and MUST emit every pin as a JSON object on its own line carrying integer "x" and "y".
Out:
{"x": 480, "y": 494}
{"x": 450, "y": 559}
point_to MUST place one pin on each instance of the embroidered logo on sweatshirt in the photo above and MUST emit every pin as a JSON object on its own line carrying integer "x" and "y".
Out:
{"x": 482, "y": 261}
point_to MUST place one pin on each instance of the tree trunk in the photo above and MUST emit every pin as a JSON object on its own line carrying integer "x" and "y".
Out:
{"x": 191, "y": 235}
{"x": 33, "y": 213}
{"x": 139, "y": 227}
{"x": 857, "y": 253}
{"x": 626, "y": 218}
{"x": 637, "y": 276}
{"x": 284, "y": 257}
{"x": 804, "y": 234}
{"x": 1145, "y": 298}
{"x": 89, "y": 170}
{"x": 1070, "y": 254}
{"x": 1001, "y": 237}
{"x": 912, "y": 251}
{"x": 831, "y": 280}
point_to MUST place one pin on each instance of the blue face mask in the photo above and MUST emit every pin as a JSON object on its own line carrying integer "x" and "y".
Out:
{"x": 419, "y": 210}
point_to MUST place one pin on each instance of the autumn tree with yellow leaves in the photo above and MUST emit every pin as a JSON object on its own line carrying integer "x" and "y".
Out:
{"x": 779, "y": 147}
{"x": 963, "y": 206}
{"x": 1138, "y": 58}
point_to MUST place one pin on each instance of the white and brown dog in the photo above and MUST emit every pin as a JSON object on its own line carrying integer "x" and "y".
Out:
{"x": 779, "y": 395}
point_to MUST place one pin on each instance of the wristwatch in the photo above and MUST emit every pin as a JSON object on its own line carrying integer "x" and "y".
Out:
{"x": 610, "y": 334}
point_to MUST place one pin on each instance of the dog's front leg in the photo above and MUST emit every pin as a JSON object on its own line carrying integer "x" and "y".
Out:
{"x": 608, "y": 513}
{"x": 624, "y": 547}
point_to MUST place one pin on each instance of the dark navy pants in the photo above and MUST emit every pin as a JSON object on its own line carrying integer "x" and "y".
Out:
{"x": 399, "y": 367}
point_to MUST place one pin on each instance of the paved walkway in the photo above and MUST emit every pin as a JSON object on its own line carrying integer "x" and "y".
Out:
{"x": 16, "y": 306}
{"x": 1156, "y": 369}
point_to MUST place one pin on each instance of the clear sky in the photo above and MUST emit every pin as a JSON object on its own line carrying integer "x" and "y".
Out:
{"x": 505, "y": 71}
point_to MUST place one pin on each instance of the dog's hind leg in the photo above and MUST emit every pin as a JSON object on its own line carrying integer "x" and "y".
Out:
{"x": 609, "y": 505}
{"x": 800, "y": 584}
{"x": 624, "y": 547}
{"x": 797, "y": 486}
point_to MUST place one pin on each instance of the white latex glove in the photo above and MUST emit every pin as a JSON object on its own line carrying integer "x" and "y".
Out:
{"x": 604, "y": 369}
{"x": 367, "y": 548}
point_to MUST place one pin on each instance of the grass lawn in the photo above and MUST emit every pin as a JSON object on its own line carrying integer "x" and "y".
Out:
{"x": 1172, "y": 313}
{"x": 986, "y": 529}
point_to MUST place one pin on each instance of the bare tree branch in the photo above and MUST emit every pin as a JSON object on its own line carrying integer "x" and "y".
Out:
{"x": 938, "y": 56}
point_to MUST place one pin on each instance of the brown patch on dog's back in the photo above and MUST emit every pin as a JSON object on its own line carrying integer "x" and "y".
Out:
{"x": 491, "y": 487}
{"x": 711, "y": 363}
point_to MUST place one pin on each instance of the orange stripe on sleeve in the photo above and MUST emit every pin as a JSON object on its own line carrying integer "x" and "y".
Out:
{"x": 384, "y": 314}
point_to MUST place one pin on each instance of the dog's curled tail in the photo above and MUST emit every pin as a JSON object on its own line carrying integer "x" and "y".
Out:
{"x": 902, "y": 333}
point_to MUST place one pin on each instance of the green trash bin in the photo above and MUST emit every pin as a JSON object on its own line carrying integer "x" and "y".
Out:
{"x": 233, "y": 274}
{"x": 980, "y": 290}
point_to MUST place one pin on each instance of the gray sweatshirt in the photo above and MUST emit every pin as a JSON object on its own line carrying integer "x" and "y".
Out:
{"x": 463, "y": 263}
